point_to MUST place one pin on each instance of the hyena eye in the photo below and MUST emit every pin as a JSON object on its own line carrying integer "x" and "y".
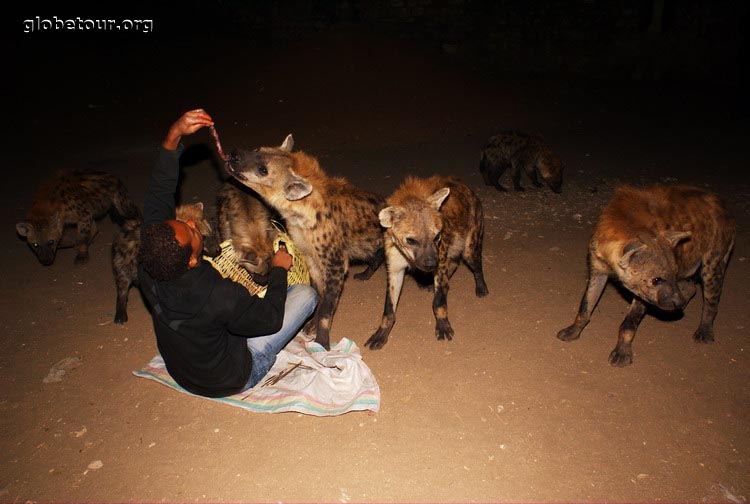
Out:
{"x": 50, "y": 242}
{"x": 657, "y": 281}
{"x": 35, "y": 244}
{"x": 411, "y": 241}
{"x": 263, "y": 170}
{"x": 437, "y": 238}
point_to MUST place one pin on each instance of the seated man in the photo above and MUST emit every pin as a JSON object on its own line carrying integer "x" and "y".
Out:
{"x": 216, "y": 339}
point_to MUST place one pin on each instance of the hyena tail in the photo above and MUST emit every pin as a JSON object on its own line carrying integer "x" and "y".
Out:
{"x": 124, "y": 207}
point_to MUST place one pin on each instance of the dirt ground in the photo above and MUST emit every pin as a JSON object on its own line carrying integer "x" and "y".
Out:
{"x": 504, "y": 412}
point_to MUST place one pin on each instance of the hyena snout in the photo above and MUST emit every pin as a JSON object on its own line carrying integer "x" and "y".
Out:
{"x": 234, "y": 165}
{"x": 45, "y": 254}
{"x": 427, "y": 259}
{"x": 670, "y": 299}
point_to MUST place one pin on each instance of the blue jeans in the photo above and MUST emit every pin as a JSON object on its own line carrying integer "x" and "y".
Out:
{"x": 300, "y": 304}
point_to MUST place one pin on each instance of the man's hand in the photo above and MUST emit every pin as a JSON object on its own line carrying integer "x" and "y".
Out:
{"x": 282, "y": 258}
{"x": 189, "y": 123}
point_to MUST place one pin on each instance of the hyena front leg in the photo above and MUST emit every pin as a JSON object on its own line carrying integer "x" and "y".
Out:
{"x": 85, "y": 232}
{"x": 443, "y": 329}
{"x": 373, "y": 263}
{"x": 535, "y": 176}
{"x": 473, "y": 257}
{"x": 516, "y": 175}
{"x": 594, "y": 289}
{"x": 712, "y": 279}
{"x": 123, "y": 283}
{"x": 334, "y": 282}
{"x": 396, "y": 269}
{"x": 622, "y": 355}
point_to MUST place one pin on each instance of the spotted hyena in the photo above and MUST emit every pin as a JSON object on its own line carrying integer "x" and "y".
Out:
{"x": 125, "y": 252}
{"x": 329, "y": 220}
{"x": 73, "y": 199}
{"x": 657, "y": 242}
{"x": 521, "y": 152}
{"x": 247, "y": 221}
{"x": 430, "y": 225}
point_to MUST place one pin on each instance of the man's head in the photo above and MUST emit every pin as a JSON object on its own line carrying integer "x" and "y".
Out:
{"x": 168, "y": 249}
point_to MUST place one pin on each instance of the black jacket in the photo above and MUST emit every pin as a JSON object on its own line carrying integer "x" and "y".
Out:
{"x": 202, "y": 320}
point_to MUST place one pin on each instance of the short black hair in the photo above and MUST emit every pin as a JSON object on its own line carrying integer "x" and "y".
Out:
{"x": 160, "y": 254}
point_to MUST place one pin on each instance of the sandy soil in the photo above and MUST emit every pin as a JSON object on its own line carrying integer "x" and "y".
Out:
{"x": 504, "y": 412}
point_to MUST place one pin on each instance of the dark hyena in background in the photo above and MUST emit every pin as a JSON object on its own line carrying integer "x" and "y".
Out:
{"x": 431, "y": 224}
{"x": 658, "y": 242}
{"x": 247, "y": 221}
{"x": 74, "y": 199}
{"x": 329, "y": 220}
{"x": 521, "y": 152}
{"x": 125, "y": 252}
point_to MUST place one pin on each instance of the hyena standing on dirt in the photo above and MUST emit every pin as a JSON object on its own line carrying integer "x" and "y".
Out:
{"x": 247, "y": 221}
{"x": 74, "y": 198}
{"x": 431, "y": 224}
{"x": 658, "y": 241}
{"x": 521, "y": 152}
{"x": 329, "y": 220}
{"x": 125, "y": 252}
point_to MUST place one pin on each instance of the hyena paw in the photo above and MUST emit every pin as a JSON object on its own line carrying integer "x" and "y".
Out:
{"x": 500, "y": 188}
{"x": 481, "y": 290}
{"x": 443, "y": 330}
{"x": 376, "y": 341}
{"x": 704, "y": 335}
{"x": 621, "y": 357}
{"x": 569, "y": 333}
{"x": 311, "y": 328}
{"x": 81, "y": 259}
{"x": 121, "y": 318}
{"x": 519, "y": 188}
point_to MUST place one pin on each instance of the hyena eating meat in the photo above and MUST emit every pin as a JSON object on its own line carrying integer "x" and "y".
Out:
{"x": 521, "y": 152}
{"x": 431, "y": 224}
{"x": 658, "y": 242}
{"x": 125, "y": 252}
{"x": 74, "y": 198}
{"x": 247, "y": 221}
{"x": 329, "y": 220}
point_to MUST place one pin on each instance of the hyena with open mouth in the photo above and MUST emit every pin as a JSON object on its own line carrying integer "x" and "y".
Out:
{"x": 329, "y": 220}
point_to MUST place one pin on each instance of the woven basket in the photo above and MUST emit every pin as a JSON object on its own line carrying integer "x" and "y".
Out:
{"x": 226, "y": 264}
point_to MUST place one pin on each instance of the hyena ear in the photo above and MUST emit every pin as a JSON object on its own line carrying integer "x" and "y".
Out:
{"x": 693, "y": 269}
{"x": 287, "y": 144}
{"x": 297, "y": 188}
{"x": 390, "y": 215}
{"x": 24, "y": 228}
{"x": 438, "y": 197}
{"x": 199, "y": 206}
{"x": 628, "y": 252}
{"x": 675, "y": 237}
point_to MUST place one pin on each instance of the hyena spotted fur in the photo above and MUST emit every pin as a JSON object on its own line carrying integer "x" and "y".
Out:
{"x": 247, "y": 221}
{"x": 521, "y": 152}
{"x": 329, "y": 220}
{"x": 431, "y": 225}
{"x": 74, "y": 199}
{"x": 657, "y": 242}
{"x": 125, "y": 252}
